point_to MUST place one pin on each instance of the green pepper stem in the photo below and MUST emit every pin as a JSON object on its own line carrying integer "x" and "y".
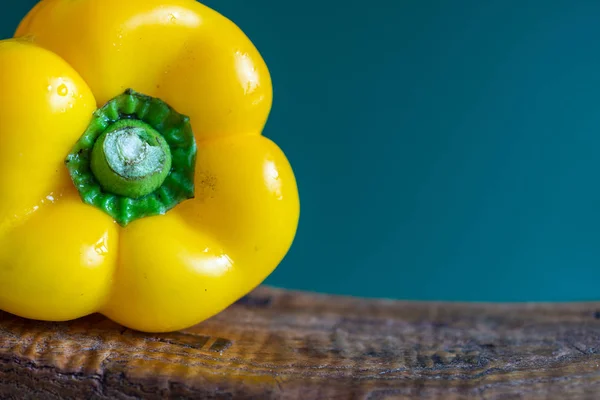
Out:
{"x": 131, "y": 159}
{"x": 136, "y": 159}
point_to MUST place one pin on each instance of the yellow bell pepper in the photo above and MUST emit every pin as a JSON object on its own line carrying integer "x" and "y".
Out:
{"x": 135, "y": 179}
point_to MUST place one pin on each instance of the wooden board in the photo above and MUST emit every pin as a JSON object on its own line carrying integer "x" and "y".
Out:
{"x": 277, "y": 344}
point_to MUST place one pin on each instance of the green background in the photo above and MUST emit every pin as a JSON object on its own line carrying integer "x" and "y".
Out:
{"x": 443, "y": 149}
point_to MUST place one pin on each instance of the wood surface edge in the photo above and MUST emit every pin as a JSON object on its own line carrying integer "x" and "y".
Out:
{"x": 276, "y": 343}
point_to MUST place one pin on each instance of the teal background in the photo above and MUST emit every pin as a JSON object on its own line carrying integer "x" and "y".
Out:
{"x": 444, "y": 150}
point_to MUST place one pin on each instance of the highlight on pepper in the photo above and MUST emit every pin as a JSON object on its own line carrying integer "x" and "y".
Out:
{"x": 135, "y": 178}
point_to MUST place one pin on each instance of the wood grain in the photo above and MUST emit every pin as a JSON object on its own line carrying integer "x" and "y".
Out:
{"x": 277, "y": 344}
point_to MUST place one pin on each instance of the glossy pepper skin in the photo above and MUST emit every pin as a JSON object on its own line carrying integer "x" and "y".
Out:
{"x": 62, "y": 259}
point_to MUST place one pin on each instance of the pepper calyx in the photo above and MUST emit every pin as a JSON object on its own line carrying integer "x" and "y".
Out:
{"x": 136, "y": 159}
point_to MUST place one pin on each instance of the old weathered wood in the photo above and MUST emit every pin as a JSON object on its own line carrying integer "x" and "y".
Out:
{"x": 277, "y": 344}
